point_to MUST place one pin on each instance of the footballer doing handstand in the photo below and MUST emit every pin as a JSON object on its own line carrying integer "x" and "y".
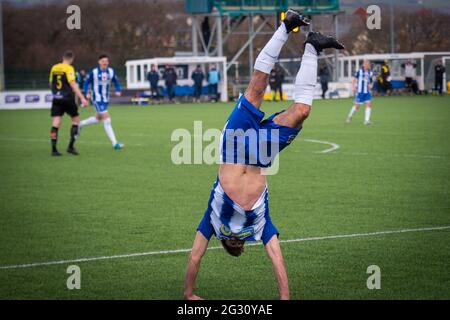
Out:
{"x": 238, "y": 208}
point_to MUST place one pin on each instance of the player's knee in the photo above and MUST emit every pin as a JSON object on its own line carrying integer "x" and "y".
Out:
{"x": 302, "y": 111}
{"x": 257, "y": 86}
{"x": 56, "y": 122}
{"x": 194, "y": 259}
{"x": 255, "y": 91}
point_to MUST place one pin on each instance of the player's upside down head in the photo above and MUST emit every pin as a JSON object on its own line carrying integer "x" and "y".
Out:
{"x": 234, "y": 246}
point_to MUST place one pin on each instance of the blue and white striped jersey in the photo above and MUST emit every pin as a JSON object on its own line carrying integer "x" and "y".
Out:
{"x": 227, "y": 220}
{"x": 230, "y": 220}
{"x": 363, "y": 80}
{"x": 100, "y": 80}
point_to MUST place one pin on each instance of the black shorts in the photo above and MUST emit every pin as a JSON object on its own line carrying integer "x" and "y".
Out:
{"x": 61, "y": 106}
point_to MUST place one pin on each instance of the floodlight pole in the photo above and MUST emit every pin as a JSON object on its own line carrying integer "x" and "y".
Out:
{"x": 392, "y": 24}
{"x": 194, "y": 36}
{"x": 336, "y": 31}
{"x": 219, "y": 36}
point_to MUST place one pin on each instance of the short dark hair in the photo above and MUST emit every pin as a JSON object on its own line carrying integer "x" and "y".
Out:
{"x": 233, "y": 246}
{"x": 102, "y": 56}
{"x": 68, "y": 54}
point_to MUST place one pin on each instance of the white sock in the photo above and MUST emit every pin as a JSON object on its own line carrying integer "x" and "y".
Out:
{"x": 88, "y": 121}
{"x": 109, "y": 130}
{"x": 269, "y": 54}
{"x": 305, "y": 83}
{"x": 368, "y": 112}
{"x": 352, "y": 112}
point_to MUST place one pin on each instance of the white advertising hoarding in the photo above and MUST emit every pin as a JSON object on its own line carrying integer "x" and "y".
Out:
{"x": 38, "y": 99}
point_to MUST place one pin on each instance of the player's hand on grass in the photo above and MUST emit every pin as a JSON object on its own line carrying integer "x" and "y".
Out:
{"x": 193, "y": 297}
{"x": 118, "y": 94}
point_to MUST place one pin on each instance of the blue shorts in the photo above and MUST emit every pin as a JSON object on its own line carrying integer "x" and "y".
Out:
{"x": 101, "y": 106}
{"x": 226, "y": 219}
{"x": 363, "y": 97}
{"x": 250, "y": 140}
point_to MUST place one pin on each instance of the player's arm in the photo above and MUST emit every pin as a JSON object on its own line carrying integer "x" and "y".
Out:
{"x": 77, "y": 91}
{"x": 70, "y": 75}
{"x": 87, "y": 85}
{"x": 116, "y": 85}
{"x": 50, "y": 79}
{"x": 198, "y": 250}
{"x": 274, "y": 251}
{"x": 354, "y": 85}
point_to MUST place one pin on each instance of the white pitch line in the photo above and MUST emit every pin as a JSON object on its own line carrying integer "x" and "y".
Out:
{"x": 406, "y": 155}
{"x": 165, "y": 252}
{"x": 334, "y": 146}
{"x": 82, "y": 142}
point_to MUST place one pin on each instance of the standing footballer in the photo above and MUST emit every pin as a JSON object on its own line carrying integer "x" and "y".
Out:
{"x": 100, "y": 79}
{"x": 362, "y": 85}
{"x": 64, "y": 87}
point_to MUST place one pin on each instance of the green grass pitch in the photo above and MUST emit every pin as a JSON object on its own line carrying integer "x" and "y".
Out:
{"x": 392, "y": 175}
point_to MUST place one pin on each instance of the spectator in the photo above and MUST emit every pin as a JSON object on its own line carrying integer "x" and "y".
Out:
{"x": 213, "y": 81}
{"x": 439, "y": 71}
{"x": 324, "y": 76}
{"x": 273, "y": 84}
{"x": 386, "y": 78}
{"x": 279, "y": 80}
{"x": 153, "y": 78}
{"x": 379, "y": 84}
{"x": 410, "y": 74}
{"x": 198, "y": 76}
{"x": 170, "y": 77}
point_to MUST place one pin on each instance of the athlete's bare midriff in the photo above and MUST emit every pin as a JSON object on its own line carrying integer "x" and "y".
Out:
{"x": 244, "y": 184}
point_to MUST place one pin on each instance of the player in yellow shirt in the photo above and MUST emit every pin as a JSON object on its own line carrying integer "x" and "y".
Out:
{"x": 64, "y": 88}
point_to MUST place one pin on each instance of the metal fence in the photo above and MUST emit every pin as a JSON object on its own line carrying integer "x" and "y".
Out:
{"x": 23, "y": 79}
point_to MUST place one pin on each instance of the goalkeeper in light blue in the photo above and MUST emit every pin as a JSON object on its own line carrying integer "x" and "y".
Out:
{"x": 99, "y": 81}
